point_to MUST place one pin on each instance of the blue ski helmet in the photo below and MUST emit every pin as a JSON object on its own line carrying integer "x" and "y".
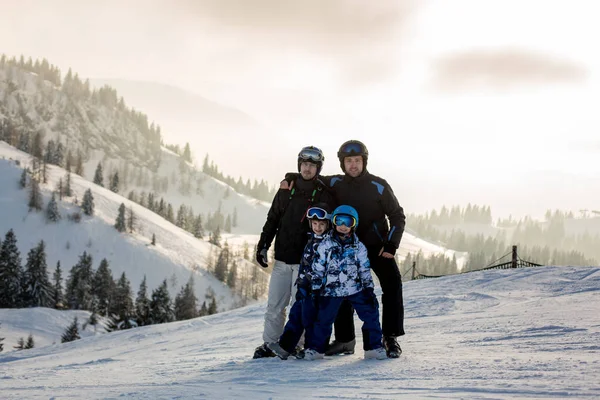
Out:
{"x": 345, "y": 210}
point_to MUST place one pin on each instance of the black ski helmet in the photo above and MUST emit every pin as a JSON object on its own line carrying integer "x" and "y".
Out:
{"x": 353, "y": 148}
{"x": 311, "y": 154}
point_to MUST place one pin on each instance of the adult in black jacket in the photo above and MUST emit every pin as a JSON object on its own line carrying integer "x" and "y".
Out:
{"x": 374, "y": 200}
{"x": 285, "y": 224}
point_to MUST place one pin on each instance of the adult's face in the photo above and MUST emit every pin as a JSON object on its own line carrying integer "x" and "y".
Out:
{"x": 308, "y": 170}
{"x": 353, "y": 165}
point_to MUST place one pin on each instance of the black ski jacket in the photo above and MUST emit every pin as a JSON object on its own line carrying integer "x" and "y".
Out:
{"x": 286, "y": 221}
{"x": 374, "y": 199}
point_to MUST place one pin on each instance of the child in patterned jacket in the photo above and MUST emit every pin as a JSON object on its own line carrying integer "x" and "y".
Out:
{"x": 303, "y": 311}
{"x": 340, "y": 271}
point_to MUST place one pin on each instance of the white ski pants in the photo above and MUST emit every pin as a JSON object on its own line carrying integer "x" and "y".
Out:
{"x": 281, "y": 291}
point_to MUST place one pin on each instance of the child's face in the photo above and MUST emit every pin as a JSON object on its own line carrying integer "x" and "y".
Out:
{"x": 343, "y": 229}
{"x": 318, "y": 227}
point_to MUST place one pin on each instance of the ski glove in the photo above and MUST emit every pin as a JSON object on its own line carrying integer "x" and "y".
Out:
{"x": 261, "y": 258}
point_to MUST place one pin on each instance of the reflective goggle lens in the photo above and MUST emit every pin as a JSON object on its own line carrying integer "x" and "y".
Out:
{"x": 316, "y": 212}
{"x": 344, "y": 219}
{"x": 311, "y": 154}
{"x": 352, "y": 148}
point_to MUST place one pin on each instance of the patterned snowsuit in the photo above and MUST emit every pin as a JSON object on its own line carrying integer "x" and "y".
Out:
{"x": 340, "y": 271}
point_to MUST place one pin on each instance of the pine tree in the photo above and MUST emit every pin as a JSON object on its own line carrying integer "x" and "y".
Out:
{"x": 198, "y": 231}
{"x": 98, "y": 177}
{"x": 222, "y": 264}
{"x": 160, "y": 306}
{"x": 169, "y": 217}
{"x": 187, "y": 154}
{"x": 123, "y": 302}
{"x": 103, "y": 288}
{"x": 142, "y": 304}
{"x": 203, "y": 310}
{"x": 87, "y": 204}
{"x": 114, "y": 182}
{"x": 23, "y": 180}
{"x": 60, "y": 187}
{"x": 232, "y": 275}
{"x": 59, "y": 155}
{"x": 131, "y": 218}
{"x": 120, "y": 222}
{"x": 234, "y": 222}
{"x": 30, "y": 344}
{"x": 11, "y": 272}
{"x": 212, "y": 308}
{"x": 57, "y": 291}
{"x": 71, "y": 333}
{"x": 153, "y": 243}
{"x": 52, "y": 213}
{"x": 20, "y": 344}
{"x": 181, "y": 213}
{"x": 68, "y": 191}
{"x": 1, "y": 344}
{"x": 79, "y": 285}
{"x": 50, "y": 152}
{"x": 93, "y": 319}
{"x": 35, "y": 196}
{"x": 186, "y": 302}
{"x": 38, "y": 289}
{"x": 216, "y": 237}
{"x": 79, "y": 166}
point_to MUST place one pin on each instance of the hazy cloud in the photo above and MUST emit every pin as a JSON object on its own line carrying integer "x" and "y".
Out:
{"x": 359, "y": 38}
{"x": 501, "y": 69}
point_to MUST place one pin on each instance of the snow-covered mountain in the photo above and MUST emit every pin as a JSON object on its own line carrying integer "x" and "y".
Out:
{"x": 176, "y": 256}
{"x": 501, "y": 334}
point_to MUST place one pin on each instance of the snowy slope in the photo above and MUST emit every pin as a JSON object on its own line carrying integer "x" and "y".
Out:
{"x": 526, "y": 333}
{"x": 46, "y": 325}
{"x": 176, "y": 254}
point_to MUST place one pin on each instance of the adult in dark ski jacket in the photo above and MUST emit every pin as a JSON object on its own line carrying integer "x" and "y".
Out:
{"x": 374, "y": 200}
{"x": 285, "y": 224}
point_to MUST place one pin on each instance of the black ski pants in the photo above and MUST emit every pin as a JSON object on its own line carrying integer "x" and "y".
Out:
{"x": 392, "y": 303}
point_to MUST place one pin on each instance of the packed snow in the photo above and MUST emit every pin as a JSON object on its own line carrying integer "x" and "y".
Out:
{"x": 499, "y": 334}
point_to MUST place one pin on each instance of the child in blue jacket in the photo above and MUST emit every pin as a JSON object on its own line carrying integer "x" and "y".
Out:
{"x": 303, "y": 311}
{"x": 341, "y": 271}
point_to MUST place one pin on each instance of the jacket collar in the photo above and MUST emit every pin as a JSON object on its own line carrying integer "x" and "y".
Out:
{"x": 361, "y": 178}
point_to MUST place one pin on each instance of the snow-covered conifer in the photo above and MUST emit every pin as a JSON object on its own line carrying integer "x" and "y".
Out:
{"x": 160, "y": 306}
{"x": 71, "y": 333}
{"x": 120, "y": 222}
{"x": 142, "y": 304}
{"x": 98, "y": 177}
{"x": 38, "y": 289}
{"x": 52, "y": 213}
{"x": 87, "y": 204}
{"x": 11, "y": 272}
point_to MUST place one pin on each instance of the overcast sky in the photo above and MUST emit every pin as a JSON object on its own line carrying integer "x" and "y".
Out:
{"x": 436, "y": 89}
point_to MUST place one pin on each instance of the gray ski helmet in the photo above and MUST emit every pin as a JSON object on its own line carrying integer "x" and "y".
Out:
{"x": 311, "y": 154}
{"x": 353, "y": 148}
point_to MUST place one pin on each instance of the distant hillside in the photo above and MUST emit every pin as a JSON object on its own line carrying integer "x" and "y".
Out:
{"x": 176, "y": 256}
{"x": 211, "y": 128}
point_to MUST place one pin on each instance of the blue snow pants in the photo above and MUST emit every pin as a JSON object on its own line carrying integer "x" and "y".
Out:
{"x": 367, "y": 309}
{"x": 301, "y": 319}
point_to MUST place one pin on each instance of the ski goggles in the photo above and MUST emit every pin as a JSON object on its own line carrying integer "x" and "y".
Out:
{"x": 344, "y": 219}
{"x": 352, "y": 148}
{"x": 318, "y": 213}
{"x": 313, "y": 154}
